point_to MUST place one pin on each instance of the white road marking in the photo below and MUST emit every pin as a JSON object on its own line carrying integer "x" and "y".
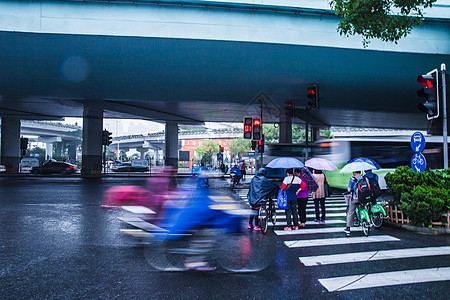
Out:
{"x": 281, "y": 215}
{"x": 373, "y": 255}
{"x": 385, "y": 279}
{"x": 314, "y": 230}
{"x": 340, "y": 241}
{"x": 311, "y": 223}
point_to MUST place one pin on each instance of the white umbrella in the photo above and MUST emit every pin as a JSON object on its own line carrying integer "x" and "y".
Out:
{"x": 320, "y": 164}
{"x": 357, "y": 166}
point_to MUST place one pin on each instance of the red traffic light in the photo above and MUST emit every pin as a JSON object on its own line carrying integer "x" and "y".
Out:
{"x": 311, "y": 90}
{"x": 426, "y": 80}
{"x": 259, "y": 142}
{"x": 256, "y": 122}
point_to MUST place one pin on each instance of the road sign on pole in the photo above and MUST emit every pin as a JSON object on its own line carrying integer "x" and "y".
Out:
{"x": 417, "y": 142}
{"x": 418, "y": 162}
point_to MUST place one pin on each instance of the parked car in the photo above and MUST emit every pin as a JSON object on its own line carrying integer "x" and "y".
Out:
{"x": 2, "y": 168}
{"x": 54, "y": 167}
{"x": 127, "y": 167}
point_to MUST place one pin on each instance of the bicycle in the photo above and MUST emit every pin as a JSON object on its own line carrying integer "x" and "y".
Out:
{"x": 368, "y": 215}
{"x": 362, "y": 217}
{"x": 267, "y": 213}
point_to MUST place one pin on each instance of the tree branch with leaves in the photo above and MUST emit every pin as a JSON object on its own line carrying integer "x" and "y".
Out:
{"x": 387, "y": 20}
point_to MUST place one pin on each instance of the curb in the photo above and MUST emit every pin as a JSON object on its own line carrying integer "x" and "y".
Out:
{"x": 421, "y": 230}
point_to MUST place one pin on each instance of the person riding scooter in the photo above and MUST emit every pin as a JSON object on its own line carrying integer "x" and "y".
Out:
{"x": 237, "y": 173}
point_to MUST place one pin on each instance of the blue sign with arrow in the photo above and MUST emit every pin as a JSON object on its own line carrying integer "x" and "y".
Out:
{"x": 417, "y": 142}
{"x": 418, "y": 162}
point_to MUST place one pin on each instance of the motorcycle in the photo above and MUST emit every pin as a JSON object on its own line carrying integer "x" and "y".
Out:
{"x": 234, "y": 179}
{"x": 201, "y": 231}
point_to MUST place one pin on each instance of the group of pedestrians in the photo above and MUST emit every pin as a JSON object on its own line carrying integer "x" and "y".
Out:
{"x": 297, "y": 198}
{"x": 294, "y": 184}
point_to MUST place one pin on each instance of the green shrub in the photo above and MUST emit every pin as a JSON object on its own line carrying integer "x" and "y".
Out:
{"x": 423, "y": 197}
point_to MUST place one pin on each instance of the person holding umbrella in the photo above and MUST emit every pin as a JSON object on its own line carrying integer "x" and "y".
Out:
{"x": 302, "y": 199}
{"x": 319, "y": 195}
{"x": 292, "y": 184}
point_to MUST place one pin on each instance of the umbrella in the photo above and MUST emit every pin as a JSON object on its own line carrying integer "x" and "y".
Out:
{"x": 367, "y": 160}
{"x": 320, "y": 164}
{"x": 309, "y": 179}
{"x": 285, "y": 163}
{"x": 357, "y": 166}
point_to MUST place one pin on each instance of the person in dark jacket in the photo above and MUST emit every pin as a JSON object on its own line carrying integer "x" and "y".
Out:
{"x": 260, "y": 189}
{"x": 292, "y": 185}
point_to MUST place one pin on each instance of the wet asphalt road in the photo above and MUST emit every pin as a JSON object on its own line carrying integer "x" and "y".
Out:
{"x": 57, "y": 243}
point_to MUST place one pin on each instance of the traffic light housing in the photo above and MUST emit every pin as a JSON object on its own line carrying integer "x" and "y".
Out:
{"x": 248, "y": 127}
{"x": 261, "y": 146}
{"x": 254, "y": 145}
{"x": 290, "y": 108}
{"x": 313, "y": 96}
{"x": 429, "y": 93}
{"x": 106, "y": 138}
{"x": 109, "y": 138}
{"x": 257, "y": 129}
{"x": 23, "y": 143}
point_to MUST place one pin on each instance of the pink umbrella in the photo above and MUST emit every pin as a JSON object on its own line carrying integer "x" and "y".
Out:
{"x": 320, "y": 164}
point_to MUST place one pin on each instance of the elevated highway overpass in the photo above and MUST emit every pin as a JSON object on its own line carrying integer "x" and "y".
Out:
{"x": 189, "y": 62}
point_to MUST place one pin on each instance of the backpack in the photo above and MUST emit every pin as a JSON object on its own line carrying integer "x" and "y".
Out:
{"x": 363, "y": 191}
{"x": 374, "y": 187}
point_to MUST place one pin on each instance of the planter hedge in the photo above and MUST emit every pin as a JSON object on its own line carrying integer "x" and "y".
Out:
{"x": 423, "y": 197}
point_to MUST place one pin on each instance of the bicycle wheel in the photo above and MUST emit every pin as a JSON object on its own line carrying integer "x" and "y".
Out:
{"x": 244, "y": 252}
{"x": 274, "y": 215}
{"x": 377, "y": 220}
{"x": 263, "y": 221}
{"x": 365, "y": 227}
{"x": 162, "y": 254}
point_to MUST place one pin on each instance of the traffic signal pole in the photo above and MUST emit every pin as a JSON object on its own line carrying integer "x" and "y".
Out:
{"x": 444, "y": 108}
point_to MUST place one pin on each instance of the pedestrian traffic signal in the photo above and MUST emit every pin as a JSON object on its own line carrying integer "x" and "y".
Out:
{"x": 313, "y": 96}
{"x": 429, "y": 93}
{"x": 261, "y": 146}
{"x": 106, "y": 138}
{"x": 257, "y": 129}
{"x": 248, "y": 127}
{"x": 254, "y": 145}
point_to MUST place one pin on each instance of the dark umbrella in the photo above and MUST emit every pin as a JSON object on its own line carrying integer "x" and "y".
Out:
{"x": 309, "y": 179}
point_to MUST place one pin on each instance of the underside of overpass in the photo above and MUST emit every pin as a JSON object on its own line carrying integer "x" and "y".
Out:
{"x": 189, "y": 64}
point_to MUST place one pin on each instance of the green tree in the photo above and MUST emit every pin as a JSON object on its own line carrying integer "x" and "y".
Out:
{"x": 206, "y": 150}
{"x": 239, "y": 146}
{"x": 387, "y": 20}
{"x": 271, "y": 133}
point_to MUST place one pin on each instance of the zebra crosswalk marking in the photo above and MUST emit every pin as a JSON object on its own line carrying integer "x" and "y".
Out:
{"x": 311, "y": 223}
{"x": 314, "y": 230}
{"x": 283, "y": 216}
{"x": 340, "y": 241}
{"x": 373, "y": 255}
{"x": 385, "y": 279}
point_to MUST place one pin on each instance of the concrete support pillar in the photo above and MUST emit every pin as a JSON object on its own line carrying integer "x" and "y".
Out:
{"x": 72, "y": 151}
{"x": 315, "y": 134}
{"x": 92, "y": 141}
{"x": 171, "y": 147}
{"x": 48, "y": 151}
{"x": 285, "y": 128}
{"x": 10, "y": 144}
{"x": 142, "y": 151}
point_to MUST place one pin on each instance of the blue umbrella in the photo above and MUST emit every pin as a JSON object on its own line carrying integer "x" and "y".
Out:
{"x": 285, "y": 163}
{"x": 367, "y": 160}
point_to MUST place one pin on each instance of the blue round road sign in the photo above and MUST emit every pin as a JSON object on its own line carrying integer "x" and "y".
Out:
{"x": 417, "y": 142}
{"x": 418, "y": 162}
